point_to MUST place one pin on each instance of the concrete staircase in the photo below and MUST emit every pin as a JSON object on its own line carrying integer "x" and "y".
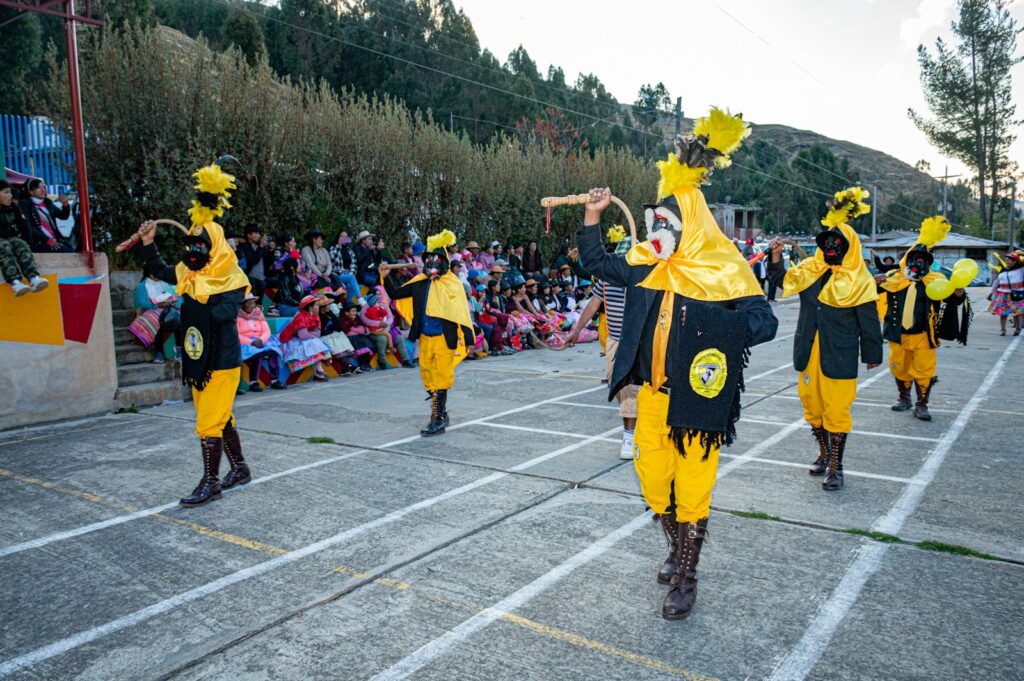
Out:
{"x": 140, "y": 383}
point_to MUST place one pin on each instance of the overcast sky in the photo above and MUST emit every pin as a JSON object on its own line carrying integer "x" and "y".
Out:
{"x": 843, "y": 68}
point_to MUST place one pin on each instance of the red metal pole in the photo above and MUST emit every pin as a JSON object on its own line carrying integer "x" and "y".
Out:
{"x": 77, "y": 128}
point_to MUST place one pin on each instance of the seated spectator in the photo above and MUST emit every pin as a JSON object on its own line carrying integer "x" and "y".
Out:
{"x": 301, "y": 340}
{"x": 259, "y": 346}
{"x": 331, "y": 331}
{"x": 318, "y": 260}
{"x": 16, "y": 261}
{"x": 547, "y": 301}
{"x": 359, "y": 336}
{"x": 566, "y": 275}
{"x": 563, "y": 291}
{"x": 493, "y": 304}
{"x": 254, "y": 257}
{"x": 369, "y": 254}
{"x": 343, "y": 263}
{"x": 533, "y": 264}
{"x": 157, "y": 310}
{"x": 414, "y": 262}
{"x": 42, "y": 215}
{"x": 289, "y": 287}
{"x": 379, "y": 321}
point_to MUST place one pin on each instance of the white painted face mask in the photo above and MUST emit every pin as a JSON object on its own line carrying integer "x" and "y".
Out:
{"x": 664, "y": 228}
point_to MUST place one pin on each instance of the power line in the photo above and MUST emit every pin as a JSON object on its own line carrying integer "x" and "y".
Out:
{"x": 499, "y": 89}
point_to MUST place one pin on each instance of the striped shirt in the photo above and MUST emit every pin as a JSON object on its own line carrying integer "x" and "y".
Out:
{"x": 614, "y": 298}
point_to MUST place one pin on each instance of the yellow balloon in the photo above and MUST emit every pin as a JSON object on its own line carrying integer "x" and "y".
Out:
{"x": 960, "y": 278}
{"x": 968, "y": 265}
{"x": 940, "y": 289}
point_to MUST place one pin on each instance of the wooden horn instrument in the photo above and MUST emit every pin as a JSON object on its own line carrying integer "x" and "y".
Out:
{"x": 135, "y": 238}
{"x": 582, "y": 199}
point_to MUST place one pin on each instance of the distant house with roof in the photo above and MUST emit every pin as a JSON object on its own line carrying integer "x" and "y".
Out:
{"x": 954, "y": 247}
{"x": 736, "y": 221}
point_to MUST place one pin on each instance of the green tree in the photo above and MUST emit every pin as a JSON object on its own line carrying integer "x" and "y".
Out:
{"x": 968, "y": 90}
{"x": 242, "y": 30}
{"x": 23, "y": 52}
{"x": 651, "y": 103}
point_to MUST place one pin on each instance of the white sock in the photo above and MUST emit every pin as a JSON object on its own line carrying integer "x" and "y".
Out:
{"x": 627, "y": 436}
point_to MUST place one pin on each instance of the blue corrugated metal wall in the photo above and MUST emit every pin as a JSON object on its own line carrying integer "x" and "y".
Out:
{"x": 33, "y": 146}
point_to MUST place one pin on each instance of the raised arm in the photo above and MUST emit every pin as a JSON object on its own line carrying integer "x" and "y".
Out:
{"x": 611, "y": 268}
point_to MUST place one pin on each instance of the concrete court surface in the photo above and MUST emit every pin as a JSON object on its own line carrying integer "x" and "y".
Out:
{"x": 515, "y": 546}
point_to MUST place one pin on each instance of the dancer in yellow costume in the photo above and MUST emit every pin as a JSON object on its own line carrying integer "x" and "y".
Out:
{"x": 693, "y": 309}
{"x": 212, "y": 287}
{"x": 913, "y": 319}
{"x": 838, "y": 316}
{"x": 436, "y": 307}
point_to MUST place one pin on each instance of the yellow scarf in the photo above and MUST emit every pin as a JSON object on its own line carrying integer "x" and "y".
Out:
{"x": 850, "y": 285}
{"x": 706, "y": 266}
{"x": 446, "y": 300}
{"x": 221, "y": 274}
{"x": 897, "y": 281}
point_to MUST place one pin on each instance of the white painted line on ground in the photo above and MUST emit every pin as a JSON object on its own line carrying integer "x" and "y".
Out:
{"x": 591, "y": 406}
{"x": 440, "y": 646}
{"x": 879, "y": 405}
{"x": 76, "y": 640}
{"x": 855, "y": 432}
{"x": 846, "y": 471}
{"x": 509, "y": 426}
{"x": 806, "y": 653}
{"x": 769, "y": 372}
{"x": 118, "y": 520}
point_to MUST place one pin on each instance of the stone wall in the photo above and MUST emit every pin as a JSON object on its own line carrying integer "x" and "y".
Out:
{"x": 57, "y": 346}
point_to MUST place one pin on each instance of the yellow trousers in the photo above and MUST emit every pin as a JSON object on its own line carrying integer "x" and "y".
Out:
{"x": 827, "y": 401}
{"x": 662, "y": 470}
{"x": 911, "y": 359}
{"x": 214, "y": 402}
{"x": 437, "y": 363}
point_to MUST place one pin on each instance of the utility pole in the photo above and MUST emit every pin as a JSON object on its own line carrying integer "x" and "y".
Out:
{"x": 945, "y": 202}
{"x": 1013, "y": 210}
{"x": 874, "y": 213}
{"x": 679, "y": 115}
{"x": 451, "y": 121}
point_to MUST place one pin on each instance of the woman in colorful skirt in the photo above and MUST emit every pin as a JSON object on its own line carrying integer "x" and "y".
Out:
{"x": 259, "y": 346}
{"x": 301, "y": 340}
{"x": 1007, "y": 296}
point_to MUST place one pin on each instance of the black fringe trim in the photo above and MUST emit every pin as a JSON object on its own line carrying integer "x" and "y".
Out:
{"x": 197, "y": 383}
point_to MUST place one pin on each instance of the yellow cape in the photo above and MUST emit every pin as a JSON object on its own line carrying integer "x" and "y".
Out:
{"x": 706, "y": 266}
{"x": 221, "y": 274}
{"x": 850, "y": 285}
{"x": 446, "y": 300}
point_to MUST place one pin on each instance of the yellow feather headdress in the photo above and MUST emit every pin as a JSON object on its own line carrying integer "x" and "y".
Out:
{"x": 724, "y": 131}
{"x": 933, "y": 230}
{"x": 441, "y": 241}
{"x": 714, "y": 138}
{"x": 213, "y": 189}
{"x": 847, "y": 205}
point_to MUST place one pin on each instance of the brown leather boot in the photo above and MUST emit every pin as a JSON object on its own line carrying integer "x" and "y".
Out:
{"x": 671, "y": 529}
{"x": 834, "y": 479}
{"x": 682, "y": 595}
{"x": 208, "y": 488}
{"x": 903, "y": 403}
{"x": 239, "y": 473}
{"x": 821, "y": 463}
{"x": 921, "y": 408}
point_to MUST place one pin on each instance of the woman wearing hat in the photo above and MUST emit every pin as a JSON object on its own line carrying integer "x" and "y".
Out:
{"x": 301, "y": 340}
{"x": 259, "y": 346}
{"x": 435, "y": 306}
{"x": 369, "y": 255}
{"x": 212, "y": 288}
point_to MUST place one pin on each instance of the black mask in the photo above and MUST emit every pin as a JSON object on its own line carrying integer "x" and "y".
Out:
{"x": 917, "y": 265}
{"x": 197, "y": 254}
{"x": 833, "y": 245}
{"x": 435, "y": 264}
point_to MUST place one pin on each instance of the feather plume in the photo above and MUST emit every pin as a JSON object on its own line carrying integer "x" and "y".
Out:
{"x": 616, "y": 234}
{"x": 845, "y": 206}
{"x": 212, "y": 180}
{"x": 676, "y": 175}
{"x": 724, "y": 131}
{"x": 443, "y": 240}
{"x": 933, "y": 230}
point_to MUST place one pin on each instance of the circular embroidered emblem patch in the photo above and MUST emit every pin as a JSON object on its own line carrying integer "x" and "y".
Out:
{"x": 708, "y": 373}
{"x": 193, "y": 343}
